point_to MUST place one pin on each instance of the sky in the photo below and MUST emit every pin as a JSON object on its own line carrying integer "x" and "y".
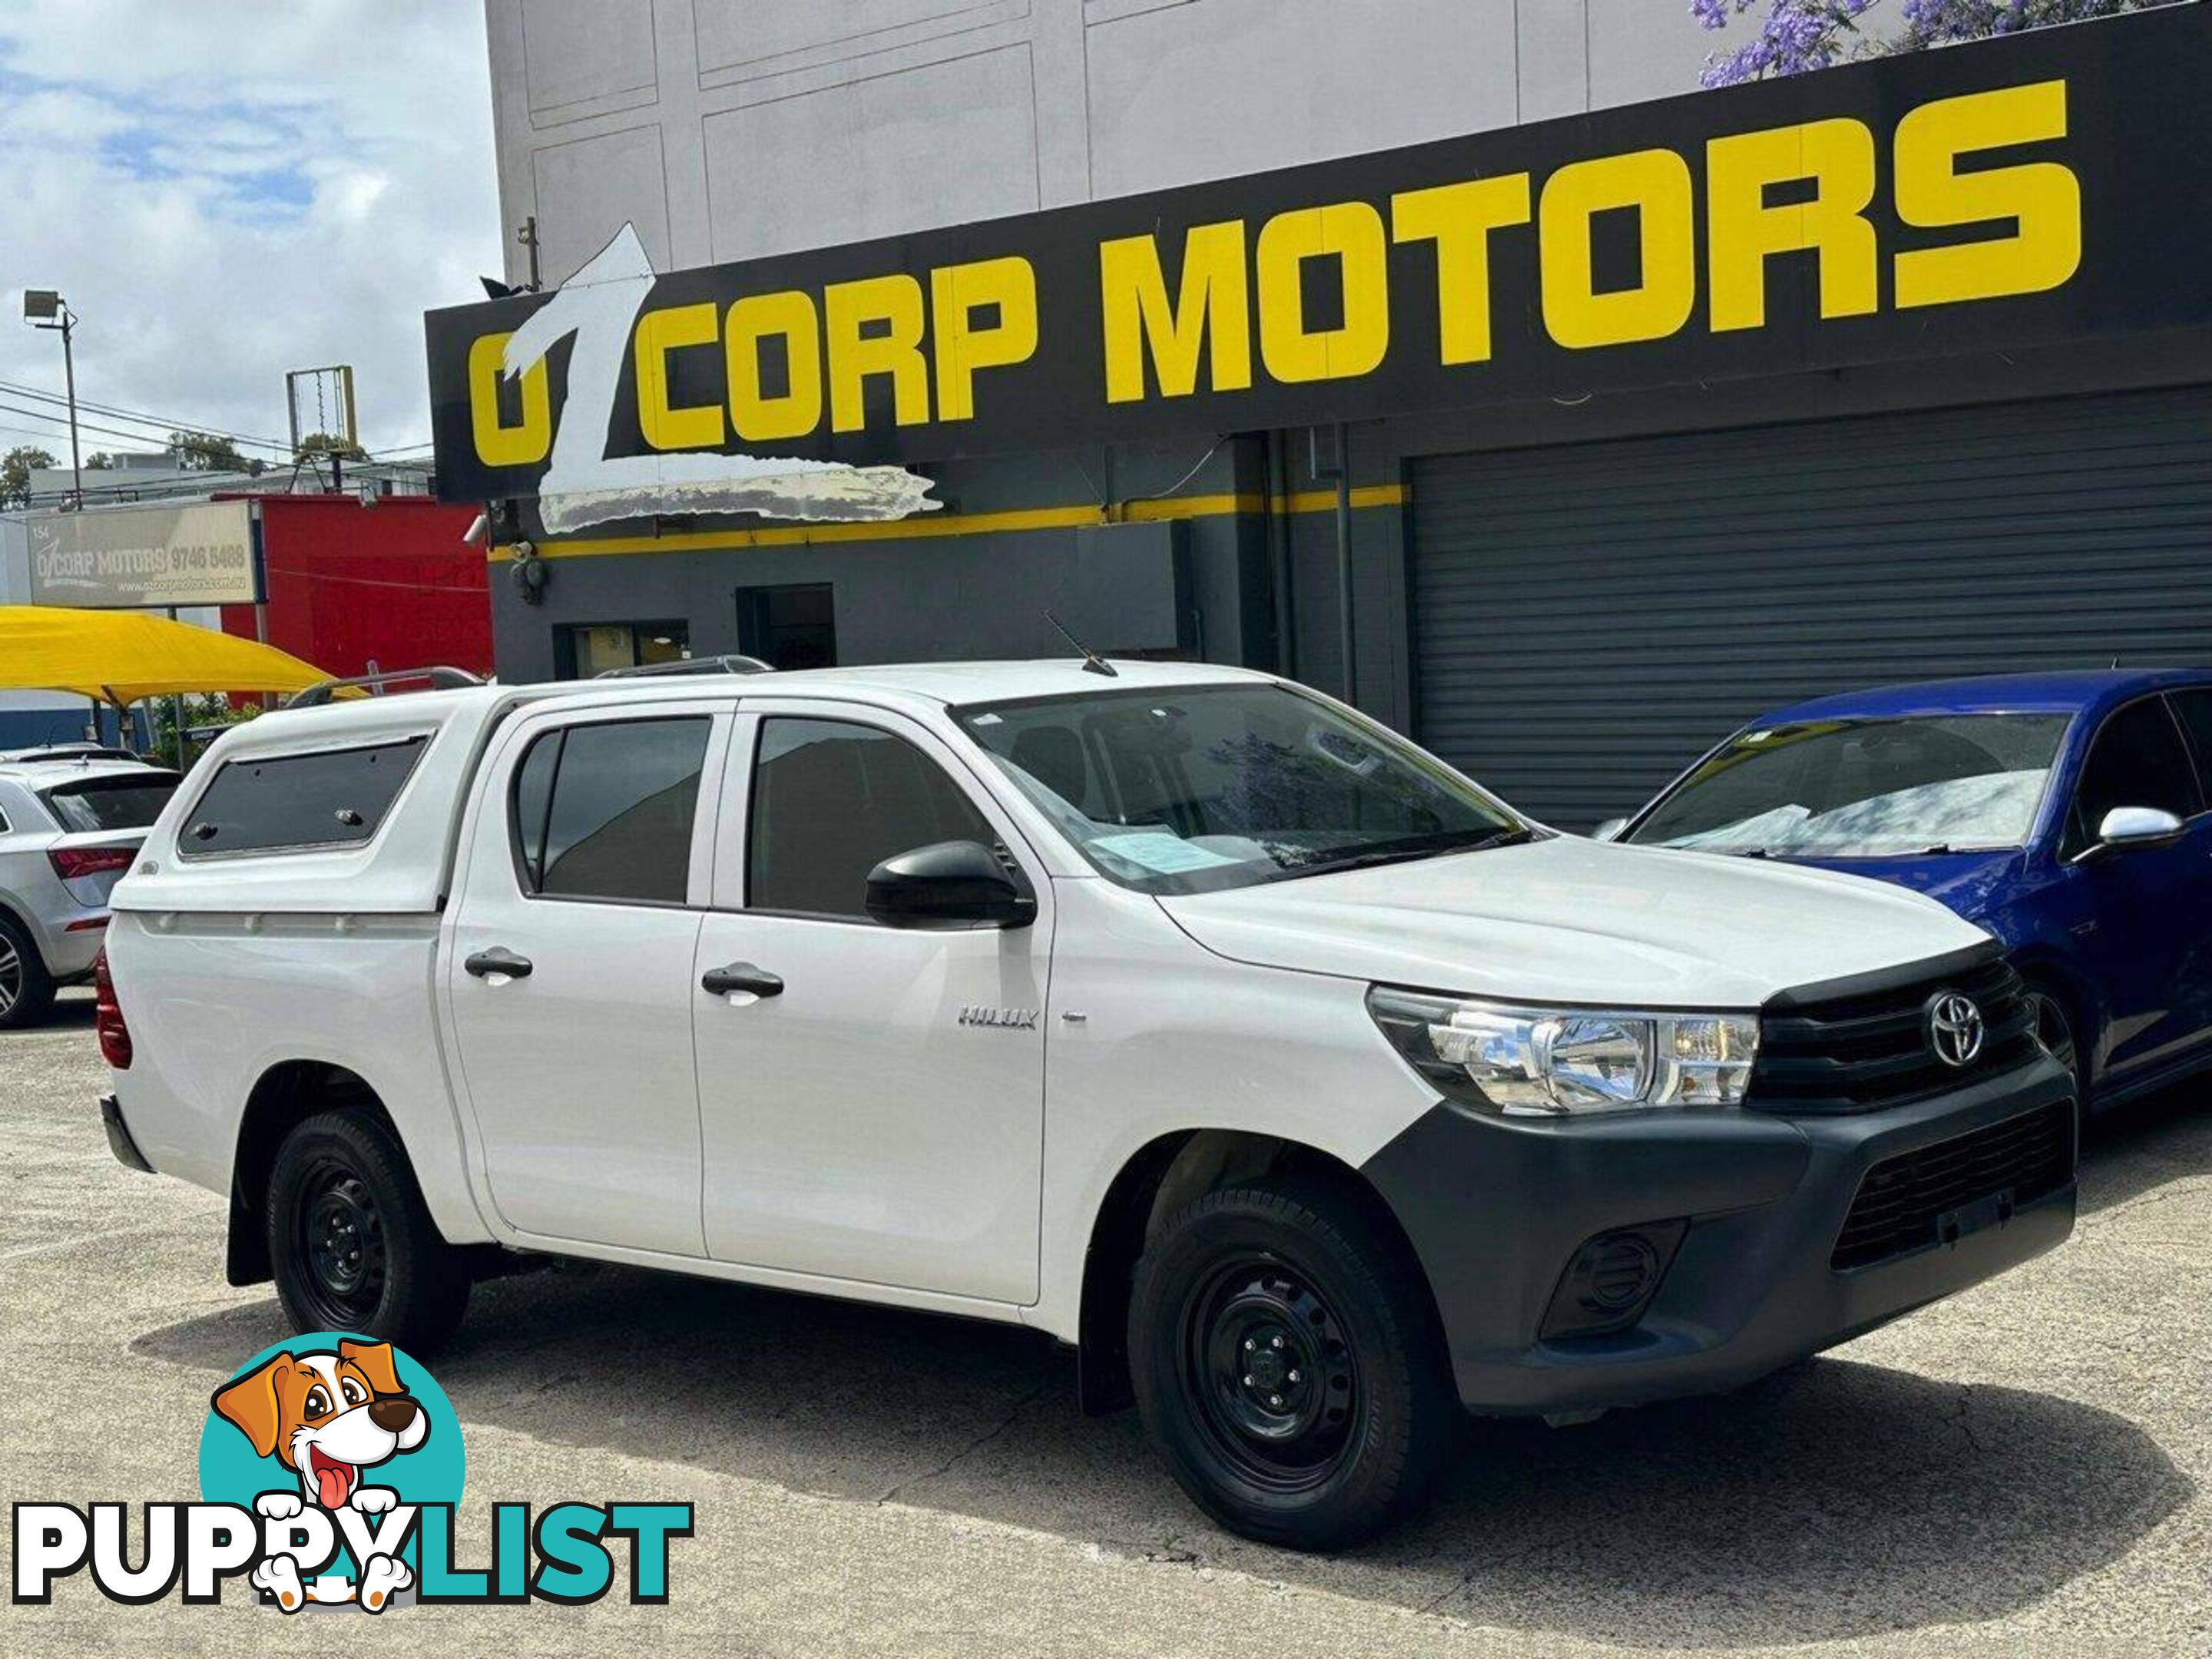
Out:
{"x": 224, "y": 190}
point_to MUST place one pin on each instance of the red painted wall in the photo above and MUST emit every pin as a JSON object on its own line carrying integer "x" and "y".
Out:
{"x": 393, "y": 582}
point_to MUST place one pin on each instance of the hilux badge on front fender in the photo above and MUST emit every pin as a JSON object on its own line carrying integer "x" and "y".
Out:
{"x": 1012, "y": 1019}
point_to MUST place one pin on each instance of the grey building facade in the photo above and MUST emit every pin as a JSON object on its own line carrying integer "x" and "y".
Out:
{"x": 1568, "y": 595}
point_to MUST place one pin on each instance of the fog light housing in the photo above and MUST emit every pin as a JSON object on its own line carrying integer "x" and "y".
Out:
{"x": 1611, "y": 1279}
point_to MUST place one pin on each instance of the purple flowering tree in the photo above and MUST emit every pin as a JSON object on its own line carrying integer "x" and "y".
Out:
{"x": 1790, "y": 36}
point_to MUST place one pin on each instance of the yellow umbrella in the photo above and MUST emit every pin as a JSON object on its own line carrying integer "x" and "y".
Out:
{"x": 120, "y": 656}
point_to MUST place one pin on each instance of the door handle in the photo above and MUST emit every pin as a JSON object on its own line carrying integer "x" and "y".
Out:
{"x": 740, "y": 976}
{"x": 499, "y": 963}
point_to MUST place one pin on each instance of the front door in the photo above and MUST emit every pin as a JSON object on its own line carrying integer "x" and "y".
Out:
{"x": 872, "y": 1107}
{"x": 569, "y": 973}
{"x": 2148, "y": 910}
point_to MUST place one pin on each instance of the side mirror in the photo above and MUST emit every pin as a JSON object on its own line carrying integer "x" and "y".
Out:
{"x": 2137, "y": 826}
{"x": 1610, "y": 830}
{"x": 949, "y": 884}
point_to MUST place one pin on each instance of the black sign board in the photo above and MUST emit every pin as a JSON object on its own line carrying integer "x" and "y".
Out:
{"x": 2046, "y": 187}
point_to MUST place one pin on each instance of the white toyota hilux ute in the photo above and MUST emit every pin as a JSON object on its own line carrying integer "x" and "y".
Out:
{"x": 1180, "y": 1012}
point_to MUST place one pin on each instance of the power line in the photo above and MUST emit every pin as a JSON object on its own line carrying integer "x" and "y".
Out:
{"x": 166, "y": 422}
{"x": 62, "y": 421}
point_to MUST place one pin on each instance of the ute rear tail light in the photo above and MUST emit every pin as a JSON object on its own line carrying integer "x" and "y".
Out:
{"x": 71, "y": 862}
{"x": 115, "y": 1035}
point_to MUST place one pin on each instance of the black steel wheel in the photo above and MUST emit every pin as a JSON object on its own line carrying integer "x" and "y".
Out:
{"x": 340, "y": 1234}
{"x": 1286, "y": 1360}
{"x": 1268, "y": 1365}
{"x": 352, "y": 1246}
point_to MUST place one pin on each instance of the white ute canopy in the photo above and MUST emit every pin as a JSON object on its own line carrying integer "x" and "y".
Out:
{"x": 349, "y": 807}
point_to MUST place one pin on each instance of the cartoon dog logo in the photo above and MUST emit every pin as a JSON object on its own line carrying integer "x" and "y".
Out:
{"x": 327, "y": 1417}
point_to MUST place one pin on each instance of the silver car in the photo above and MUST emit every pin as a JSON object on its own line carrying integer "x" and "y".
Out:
{"x": 70, "y": 825}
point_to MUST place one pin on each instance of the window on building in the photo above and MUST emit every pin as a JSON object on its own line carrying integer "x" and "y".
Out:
{"x": 606, "y": 811}
{"x": 2137, "y": 760}
{"x": 334, "y": 798}
{"x": 830, "y": 801}
{"x": 792, "y": 626}
{"x": 581, "y": 650}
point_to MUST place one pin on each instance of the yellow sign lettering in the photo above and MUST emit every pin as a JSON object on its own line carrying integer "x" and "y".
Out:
{"x": 2042, "y": 199}
{"x": 1210, "y": 310}
{"x": 665, "y": 425}
{"x": 1351, "y": 233}
{"x": 892, "y": 306}
{"x": 531, "y": 440}
{"x": 1742, "y": 232}
{"x": 757, "y": 317}
{"x": 1655, "y": 183}
{"x": 1459, "y": 218}
{"x": 957, "y": 293}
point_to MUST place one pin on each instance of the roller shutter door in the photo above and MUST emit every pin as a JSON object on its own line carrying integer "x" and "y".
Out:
{"x": 1588, "y": 619}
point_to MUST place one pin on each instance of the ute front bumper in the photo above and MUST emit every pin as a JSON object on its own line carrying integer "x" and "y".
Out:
{"x": 1742, "y": 1211}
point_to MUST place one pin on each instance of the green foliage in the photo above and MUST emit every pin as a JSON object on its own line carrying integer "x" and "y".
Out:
{"x": 318, "y": 444}
{"x": 15, "y": 469}
{"x": 208, "y": 451}
{"x": 211, "y": 709}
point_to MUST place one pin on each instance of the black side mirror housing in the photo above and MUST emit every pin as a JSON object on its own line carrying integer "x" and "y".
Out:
{"x": 948, "y": 884}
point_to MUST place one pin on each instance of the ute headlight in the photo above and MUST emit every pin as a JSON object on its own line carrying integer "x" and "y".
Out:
{"x": 1549, "y": 1062}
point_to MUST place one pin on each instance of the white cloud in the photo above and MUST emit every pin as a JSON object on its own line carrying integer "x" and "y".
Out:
{"x": 226, "y": 192}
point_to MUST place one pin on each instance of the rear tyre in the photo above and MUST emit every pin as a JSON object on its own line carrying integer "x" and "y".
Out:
{"x": 1287, "y": 1364}
{"x": 27, "y": 989}
{"x": 351, "y": 1245}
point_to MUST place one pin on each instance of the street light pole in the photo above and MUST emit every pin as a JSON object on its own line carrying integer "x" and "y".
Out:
{"x": 44, "y": 307}
{"x": 69, "y": 381}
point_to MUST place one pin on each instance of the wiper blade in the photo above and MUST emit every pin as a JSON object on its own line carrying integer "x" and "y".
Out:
{"x": 1429, "y": 849}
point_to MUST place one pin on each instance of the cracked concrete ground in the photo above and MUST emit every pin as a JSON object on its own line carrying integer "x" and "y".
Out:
{"x": 2021, "y": 1470}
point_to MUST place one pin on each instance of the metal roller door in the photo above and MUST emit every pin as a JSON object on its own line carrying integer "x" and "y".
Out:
{"x": 1587, "y": 619}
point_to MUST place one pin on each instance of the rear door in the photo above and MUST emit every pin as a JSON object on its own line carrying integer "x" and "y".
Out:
{"x": 569, "y": 968}
{"x": 878, "y": 1116}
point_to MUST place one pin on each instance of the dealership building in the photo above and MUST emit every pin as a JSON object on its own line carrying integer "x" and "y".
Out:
{"x": 1458, "y": 356}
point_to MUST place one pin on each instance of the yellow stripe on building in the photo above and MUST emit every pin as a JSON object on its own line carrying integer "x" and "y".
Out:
{"x": 1160, "y": 511}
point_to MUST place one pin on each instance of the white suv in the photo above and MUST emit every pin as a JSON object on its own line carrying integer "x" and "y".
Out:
{"x": 1176, "y": 1012}
{"x": 70, "y": 824}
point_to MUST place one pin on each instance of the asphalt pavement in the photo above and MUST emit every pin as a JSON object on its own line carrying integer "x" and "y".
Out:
{"x": 2021, "y": 1470}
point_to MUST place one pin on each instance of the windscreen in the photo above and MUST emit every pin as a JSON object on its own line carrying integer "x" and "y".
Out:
{"x": 127, "y": 801}
{"x": 1201, "y": 788}
{"x": 1865, "y": 789}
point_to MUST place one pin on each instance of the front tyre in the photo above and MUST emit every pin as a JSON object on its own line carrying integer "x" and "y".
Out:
{"x": 1287, "y": 1364}
{"x": 351, "y": 1245}
{"x": 2054, "y": 1030}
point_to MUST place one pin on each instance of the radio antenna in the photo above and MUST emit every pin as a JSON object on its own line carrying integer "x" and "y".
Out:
{"x": 1092, "y": 662}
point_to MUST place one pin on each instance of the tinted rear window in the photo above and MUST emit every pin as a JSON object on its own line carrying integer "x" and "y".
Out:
{"x": 604, "y": 812}
{"x": 129, "y": 802}
{"x": 334, "y": 798}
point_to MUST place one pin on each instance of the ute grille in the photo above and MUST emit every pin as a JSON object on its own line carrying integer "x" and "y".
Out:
{"x": 1869, "y": 1050}
{"x": 1902, "y": 1200}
